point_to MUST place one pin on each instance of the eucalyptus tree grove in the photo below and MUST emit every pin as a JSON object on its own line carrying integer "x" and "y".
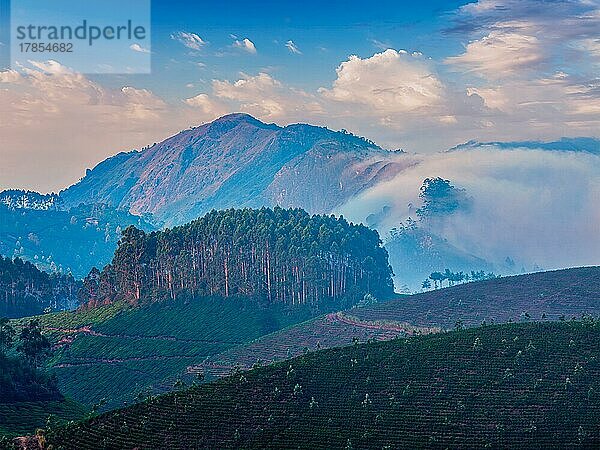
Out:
{"x": 273, "y": 255}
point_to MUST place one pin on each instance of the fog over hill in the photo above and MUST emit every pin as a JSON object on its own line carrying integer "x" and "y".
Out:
{"x": 530, "y": 208}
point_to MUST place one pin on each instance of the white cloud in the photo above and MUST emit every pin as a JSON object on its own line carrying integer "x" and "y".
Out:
{"x": 388, "y": 82}
{"x": 293, "y": 48}
{"x": 207, "y": 105}
{"x": 77, "y": 122}
{"x": 536, "y": 206}
{"x": 508, "y": 48}
{"x": 138, "y": 48}
{"x": 266, "y": 97}
{"x": 190, "y": 40}
{"x": 245, "y": 44}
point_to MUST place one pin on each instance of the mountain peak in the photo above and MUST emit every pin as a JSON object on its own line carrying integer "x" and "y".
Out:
{"x": 238, "y": 117}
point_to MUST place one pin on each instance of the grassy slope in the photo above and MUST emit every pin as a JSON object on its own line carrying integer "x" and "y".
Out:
{"x": 526, "y": 385}
{"x": 327, "y": 331}
{"x": 24, "y": 417}
{"x": 569, "y": 292}
{"x": 117, "y": 353}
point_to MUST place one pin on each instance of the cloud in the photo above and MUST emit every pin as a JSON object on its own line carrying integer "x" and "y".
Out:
{"x": 138, "y": 48}
{"x": 293, "y": 48}
{"x": 536, "y": 206}
{"x": 266, "y": 97}
{"x": 77, "y": 123}
{"x": 245, "y": 44}
{"x": 207, "y": 105}
{"x": 391, "y": 81}
{"x": 190, "y": 40}
{"x": 508, "y": 48}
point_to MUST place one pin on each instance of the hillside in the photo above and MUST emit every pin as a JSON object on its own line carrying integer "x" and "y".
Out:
{"x": 149, "y": 348}
{"x": 527, "y": 385}
{"x": 112, "y": 355}
{"x": 565, "y": 293}
{"x": 27, "y": 291}
{"x": 544, "y": 295}
{"x": 73, "y": 240}
{"x": 237, "y": 161}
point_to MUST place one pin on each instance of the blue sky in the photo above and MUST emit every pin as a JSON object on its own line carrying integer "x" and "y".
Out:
{"x": 422, "y": 76}
{"x": 325, "y": 34}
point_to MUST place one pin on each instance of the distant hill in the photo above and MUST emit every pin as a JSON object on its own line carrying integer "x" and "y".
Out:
{"x": 21, "y": 199}
{"x": 237, "y": 161}
{"x": 580, "y": 144}
{"x": 27, "y": 291}
{"x": 512, "y": 386}
{"x": 58, "y": 240}
{"x": 544, "y": 295}
{"x": 416, "y": 252}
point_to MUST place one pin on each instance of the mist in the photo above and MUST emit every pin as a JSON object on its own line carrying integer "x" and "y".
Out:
{"x": 541, "y": 208}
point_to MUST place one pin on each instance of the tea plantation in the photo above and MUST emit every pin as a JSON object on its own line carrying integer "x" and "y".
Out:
{"x": 529, "y": 385}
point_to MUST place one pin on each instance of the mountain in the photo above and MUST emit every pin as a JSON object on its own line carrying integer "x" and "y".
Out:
{"x": 64, "y": 240}
{"x": 580, "y": 145}
{"x": 237, "y": 161}
{"x": 26, "y": 291}
{"x": 531, "y": 385}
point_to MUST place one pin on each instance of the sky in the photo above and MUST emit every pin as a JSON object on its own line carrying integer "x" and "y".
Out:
{"x": 421, "y": 76}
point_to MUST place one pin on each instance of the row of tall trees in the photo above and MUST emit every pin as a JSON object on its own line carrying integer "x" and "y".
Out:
{"x": 452, "y": 278}
{"x": 275, "y": 255}
{"x": 26, "y": 290}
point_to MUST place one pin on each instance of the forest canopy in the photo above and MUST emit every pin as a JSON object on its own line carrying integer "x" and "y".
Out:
{"x": 26, "y": 290}
{"x": 273, "y": 255}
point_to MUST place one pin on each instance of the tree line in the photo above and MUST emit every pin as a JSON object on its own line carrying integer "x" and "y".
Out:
{"x": 26, "y": 290}
{"x": 452, "y": 278}
{"x": 275, "y": 255}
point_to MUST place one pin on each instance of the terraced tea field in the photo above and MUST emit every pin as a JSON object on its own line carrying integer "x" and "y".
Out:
{"x": 533, "y": 385}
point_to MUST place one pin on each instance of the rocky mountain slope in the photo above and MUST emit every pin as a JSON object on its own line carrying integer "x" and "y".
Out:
{"x": 238, "y": 161}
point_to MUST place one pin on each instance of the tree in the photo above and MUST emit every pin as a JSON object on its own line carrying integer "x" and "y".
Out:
{"x": 89, "y": 289}
{"x": 437, "y": 277}
{"x": 274, "y": 255}
{"x": 426, "y": 284}
{"x": 34, "y": 345}
{"x": 7, "y": 334}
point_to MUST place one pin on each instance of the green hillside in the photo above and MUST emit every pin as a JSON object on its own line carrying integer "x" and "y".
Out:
{"x": 116, "y": 353}
{"x": 565, "y": 293}
{"x": 531, "y": 385}
{"x": 17, "y": 419}
{"x": 148, "y": 349}
{"x": 548, "y": 295}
